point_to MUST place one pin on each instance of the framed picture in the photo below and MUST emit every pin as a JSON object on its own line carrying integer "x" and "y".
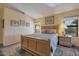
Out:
{"x": 22, "y": 22}
{"x": 19, "y": 23}
{"x": 49, "y": 20}
{"x": 27, "y": 24}
{"x": 14, "y": 23}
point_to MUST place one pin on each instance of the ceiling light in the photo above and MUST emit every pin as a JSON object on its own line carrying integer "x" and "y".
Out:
{"x": 51, "y": 4}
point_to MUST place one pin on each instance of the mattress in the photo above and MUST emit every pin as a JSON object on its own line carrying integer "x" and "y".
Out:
{"x": 52, "y": 37}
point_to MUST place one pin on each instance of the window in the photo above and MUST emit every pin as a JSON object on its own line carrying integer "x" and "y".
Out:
{"x": 72, "y": 26}
{"x": 37, "y": 28}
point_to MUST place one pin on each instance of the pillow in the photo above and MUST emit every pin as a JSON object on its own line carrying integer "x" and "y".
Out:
{"x": 49, "y": 31}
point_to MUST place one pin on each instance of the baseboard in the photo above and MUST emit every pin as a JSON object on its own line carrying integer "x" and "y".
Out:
{"x": 12, "y": 44}
{"x": 2, "y": 46}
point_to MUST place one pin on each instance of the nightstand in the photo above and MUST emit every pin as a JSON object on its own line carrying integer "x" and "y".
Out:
{"x": 65, "y": 41}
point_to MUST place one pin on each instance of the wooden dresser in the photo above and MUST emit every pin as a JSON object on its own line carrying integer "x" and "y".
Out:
{"x": 65, "y": 41}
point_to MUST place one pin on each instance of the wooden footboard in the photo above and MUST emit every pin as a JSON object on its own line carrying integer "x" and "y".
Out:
{"x": 36, "y": 46}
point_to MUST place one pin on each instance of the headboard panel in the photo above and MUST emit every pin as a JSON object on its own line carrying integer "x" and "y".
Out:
{"x": 48, "y": 29}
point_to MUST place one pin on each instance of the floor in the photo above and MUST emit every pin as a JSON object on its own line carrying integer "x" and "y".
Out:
{"x": 15, "y": 50}
{"x": 65, "y": 51}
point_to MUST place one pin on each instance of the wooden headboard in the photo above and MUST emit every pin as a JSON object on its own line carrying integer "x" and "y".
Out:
{"x": 48, "y": 29}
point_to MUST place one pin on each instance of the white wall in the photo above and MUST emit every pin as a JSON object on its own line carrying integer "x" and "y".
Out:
{"x": 12, "y": 34}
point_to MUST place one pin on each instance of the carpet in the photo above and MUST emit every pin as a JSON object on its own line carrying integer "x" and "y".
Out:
{"x": 22, "y": 52}
{"x": 58, "y": 52}
{"x": 64, "y": 51}
{"x": 18, "y": 51}
{"x": 1, "y": 54}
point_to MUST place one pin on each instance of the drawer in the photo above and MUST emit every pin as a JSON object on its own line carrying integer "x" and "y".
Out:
{"x": 65, "y": 39}
{"x": 65, "y": 43}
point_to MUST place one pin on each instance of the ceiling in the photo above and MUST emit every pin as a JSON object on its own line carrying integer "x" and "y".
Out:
{"x": 37, "y": 10}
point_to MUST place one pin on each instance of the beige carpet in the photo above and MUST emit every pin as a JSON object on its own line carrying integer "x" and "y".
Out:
{"x": 15, "y": 50}
{"x": 64, "y": 51}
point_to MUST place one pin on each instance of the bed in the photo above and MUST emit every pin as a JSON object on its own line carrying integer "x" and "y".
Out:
{"x": 39, "y": 44}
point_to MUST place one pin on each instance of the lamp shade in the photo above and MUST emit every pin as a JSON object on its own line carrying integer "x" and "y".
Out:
{"x": 63, "y": 26}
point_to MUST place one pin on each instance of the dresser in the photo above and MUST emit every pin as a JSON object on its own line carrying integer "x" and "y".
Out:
{"x": 65, "y": 41}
